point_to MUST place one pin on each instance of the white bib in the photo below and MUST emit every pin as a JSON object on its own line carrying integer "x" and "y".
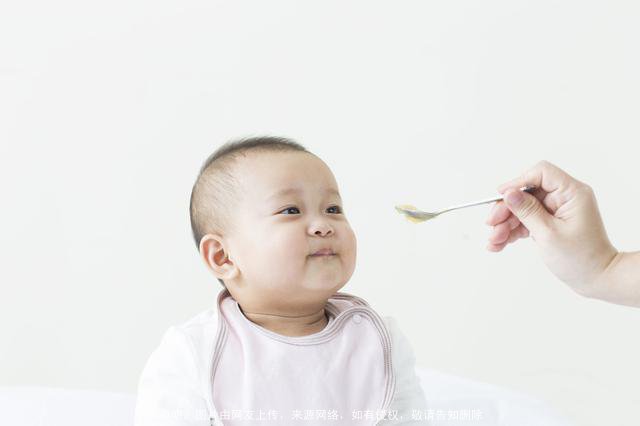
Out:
{"x": 340, "y": 375}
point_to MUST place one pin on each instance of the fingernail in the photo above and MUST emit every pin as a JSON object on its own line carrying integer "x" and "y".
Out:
{"x": 514, "y": 198}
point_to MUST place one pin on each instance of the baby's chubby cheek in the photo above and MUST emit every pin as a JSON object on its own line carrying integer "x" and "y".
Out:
{"x": 350, "y": 261}
{"x": 351, "y": 245}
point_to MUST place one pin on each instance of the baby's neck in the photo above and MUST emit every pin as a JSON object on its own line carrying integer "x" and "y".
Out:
{"x": 292, "y": 326}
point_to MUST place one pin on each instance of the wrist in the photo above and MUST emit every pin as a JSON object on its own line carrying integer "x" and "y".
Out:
{"x": 597, "y": 289}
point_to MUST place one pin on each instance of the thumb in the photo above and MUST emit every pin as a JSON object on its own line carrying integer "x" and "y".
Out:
{"x": 528, "y": 210}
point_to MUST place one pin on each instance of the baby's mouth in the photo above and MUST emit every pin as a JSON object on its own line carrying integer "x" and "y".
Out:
{"x": 324, "y": 252}
{"x": 323, "y": 255}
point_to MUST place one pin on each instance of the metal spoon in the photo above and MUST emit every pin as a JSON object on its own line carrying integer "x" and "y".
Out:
{"x": 412, "y": 214}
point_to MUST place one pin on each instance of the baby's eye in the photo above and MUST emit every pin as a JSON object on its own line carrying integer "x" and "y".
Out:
{"x": 289, "y": 208}
{"x": 295, "y": 208}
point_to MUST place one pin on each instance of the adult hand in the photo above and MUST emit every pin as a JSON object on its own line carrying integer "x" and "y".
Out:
{"x": 562, "y": 217}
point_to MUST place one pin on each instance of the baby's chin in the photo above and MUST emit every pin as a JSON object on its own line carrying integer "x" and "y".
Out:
{"x": 322, "y": 286}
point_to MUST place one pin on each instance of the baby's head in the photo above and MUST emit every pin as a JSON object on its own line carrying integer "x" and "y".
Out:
{"x": 260, "y": 208}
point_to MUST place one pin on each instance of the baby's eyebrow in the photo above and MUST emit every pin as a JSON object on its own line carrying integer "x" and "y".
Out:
{"x": 288, "y": 191}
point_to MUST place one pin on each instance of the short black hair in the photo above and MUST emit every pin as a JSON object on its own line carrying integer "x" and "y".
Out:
{"x": 215, "y": 189}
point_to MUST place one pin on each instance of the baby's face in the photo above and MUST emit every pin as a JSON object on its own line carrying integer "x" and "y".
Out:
{"x": 279, "y": 231}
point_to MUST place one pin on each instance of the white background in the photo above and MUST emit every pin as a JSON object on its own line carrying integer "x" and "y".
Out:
{"x": 108, "y": 109}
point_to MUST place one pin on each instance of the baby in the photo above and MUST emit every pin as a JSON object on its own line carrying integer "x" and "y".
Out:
{"x": 281, "y": 345}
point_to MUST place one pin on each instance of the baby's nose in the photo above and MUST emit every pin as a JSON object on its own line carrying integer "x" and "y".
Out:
{"x": 323, "y": 230}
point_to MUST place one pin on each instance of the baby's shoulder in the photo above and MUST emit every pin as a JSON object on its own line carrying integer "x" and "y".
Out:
{"x": 401, "y": 346}
{"x": 198, "y": 333}
{"x": 200, "y": 326}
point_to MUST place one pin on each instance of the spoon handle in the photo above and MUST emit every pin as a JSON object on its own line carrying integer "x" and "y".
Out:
{"x": 528, "y": 188}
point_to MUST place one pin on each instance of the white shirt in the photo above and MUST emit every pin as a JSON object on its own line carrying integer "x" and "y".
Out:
{"x": 176, "y": 388}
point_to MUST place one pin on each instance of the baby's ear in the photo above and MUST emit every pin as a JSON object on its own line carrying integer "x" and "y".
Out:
{"x": 215, "y": 256}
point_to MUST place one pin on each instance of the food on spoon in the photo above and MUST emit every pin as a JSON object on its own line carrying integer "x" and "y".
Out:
{"x": 407, "y": 216}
